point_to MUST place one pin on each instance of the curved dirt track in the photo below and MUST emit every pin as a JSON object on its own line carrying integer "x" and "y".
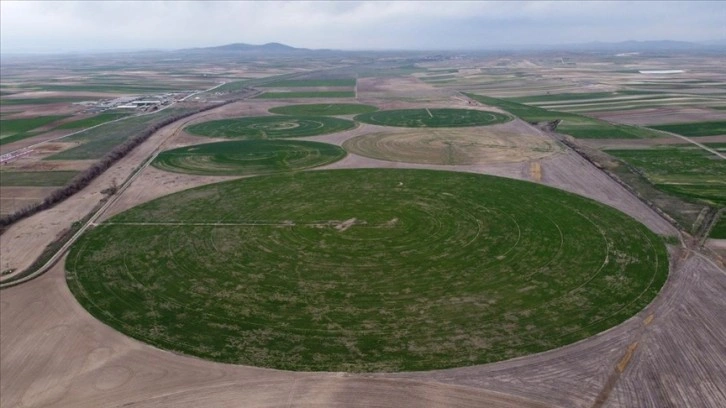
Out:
{"x": 671, "y": 354}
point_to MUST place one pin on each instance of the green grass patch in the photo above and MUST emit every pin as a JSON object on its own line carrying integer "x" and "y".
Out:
{"x": 324, "y": 109}
{"x": 311, "y": 94}
{"x": 233, "y": 86}
{"x": 40, "y": 101}
{"x": 718, "y": 231}
{"x": 686, "y": 171}
{"x": 578, "y": 126}
{"x": 563, "y": 97}
{"x": 93, "y": 121}
{"x": 98, "y": 141}
{"x": 304, "y": 83}
{"x": 12, "y": 130}
{"x": 433, "y": 118}
{"x": 36, "y": 178}
{"x": 695, "y": 129}
{"x": 270, "y": 127}
{"x": 243, "y": 157}
{"x": 366, "y": 270}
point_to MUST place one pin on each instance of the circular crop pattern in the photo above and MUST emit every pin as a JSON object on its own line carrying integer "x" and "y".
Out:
{"x": 270, "y": 127}
{"x": 241, "y": 157}
{"x": 433, "y": 118}
{"x": 451, "y": 146}
{"x": 366, "y": 270}
{"x": 324, "y": 109}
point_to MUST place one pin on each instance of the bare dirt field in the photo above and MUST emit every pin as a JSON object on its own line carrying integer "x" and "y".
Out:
{"x": 14, "y": 198}
{"x": 391, "y": 91}
{"x": 30, "y": 111}
{"x": 56, "y": 354}
{"x": 660, "y": 116}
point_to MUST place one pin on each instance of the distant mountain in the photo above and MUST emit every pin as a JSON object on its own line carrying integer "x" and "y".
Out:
{"x": 272, "y": 47}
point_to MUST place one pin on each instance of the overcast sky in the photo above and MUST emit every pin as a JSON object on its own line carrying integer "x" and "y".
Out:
{"x": 56, "y": 26}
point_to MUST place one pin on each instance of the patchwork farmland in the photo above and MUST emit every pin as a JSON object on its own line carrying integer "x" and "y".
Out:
{"x": 528, "y": 231}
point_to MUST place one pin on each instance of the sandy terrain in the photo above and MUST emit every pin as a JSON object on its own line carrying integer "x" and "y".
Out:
{"x": 388, "y": 93}
{"x": 13, "y": 198}
{"x": 55, "y": 354}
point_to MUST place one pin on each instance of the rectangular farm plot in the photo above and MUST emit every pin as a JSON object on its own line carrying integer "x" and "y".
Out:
{"x": 12, "y": 130}
{"x": 686, "y": 171}
{"x": 93, "y": 121}
{"x": 35, "y": 178}
{"x": 310, "y": 83}
{"x": 577, "y": 126}
{"x": 309, "y": 94}
{"x": 695, "y": 129}
{"x": 309, "y": 88}
{"x": 15, "y": 198}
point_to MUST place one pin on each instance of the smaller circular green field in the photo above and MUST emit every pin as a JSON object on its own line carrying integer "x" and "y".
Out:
{"x": 433, "y": 118}
{"x": 324, "y": 109}
{"x": 270, "y": 127}
{"x": 243, "y": 157}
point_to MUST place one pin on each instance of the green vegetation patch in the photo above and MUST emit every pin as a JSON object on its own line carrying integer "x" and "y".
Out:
{"x": 581, "y": 127}
{"x": 324, "y": 109}
{"x": 36, "y": 178}
{"x": 433, "y": 118}
{"x": 12, "y": 130}
{"x": 310, "y": 94}
{"x": 718, "y": 231}
{"x": 366, "y": 270}
{"x": 695, "y": 129}
{"x": 40, "y": 101}
{"x": 686, "y": 171}
{"x": 242, "y": 157}
{"x": 270, "y": 127}
{"x": 100, "y": 140}
{"x": 304, "y": 83}
{"x": 93, "y": 121}
{"x": 563, "y": 97}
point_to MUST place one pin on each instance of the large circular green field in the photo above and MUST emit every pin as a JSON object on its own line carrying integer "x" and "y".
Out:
{"x": 433, "y": 118}
{"x": 324, "y": 109}
{"x": 243, "y": 157}
{"x": 366, "y": 270}
{"x": 270, "y": 127}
